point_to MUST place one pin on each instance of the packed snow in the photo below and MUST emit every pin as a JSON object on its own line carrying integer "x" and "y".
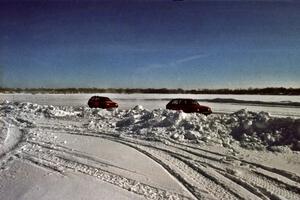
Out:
{"x": 141, "y": 153}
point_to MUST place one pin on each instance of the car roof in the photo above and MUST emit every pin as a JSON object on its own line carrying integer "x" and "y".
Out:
{"x": 100, "y": 97}
{"x": 183, "y": 99}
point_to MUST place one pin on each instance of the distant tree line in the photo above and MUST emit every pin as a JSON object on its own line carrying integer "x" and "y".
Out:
{"x": 258, "y": 91}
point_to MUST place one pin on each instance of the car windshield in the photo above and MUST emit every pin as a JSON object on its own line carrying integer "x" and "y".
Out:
{"x": 174, "y": 101}
{"x": 192, "y": 102}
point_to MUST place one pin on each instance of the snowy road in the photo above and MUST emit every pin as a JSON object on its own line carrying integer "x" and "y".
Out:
{"x": 53, "y": 153}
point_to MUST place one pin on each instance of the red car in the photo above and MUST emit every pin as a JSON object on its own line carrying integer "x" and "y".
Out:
{"x": 188, "y": 106}
{"x": 101, "y": 102}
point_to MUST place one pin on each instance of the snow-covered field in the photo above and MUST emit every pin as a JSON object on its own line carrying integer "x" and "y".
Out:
{"x": 275, "y": 105}
{"x": 57, "y": 148}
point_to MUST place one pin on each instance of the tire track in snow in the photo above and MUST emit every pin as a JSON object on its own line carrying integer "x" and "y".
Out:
{"x": 201, "y": 186}
{"x": 58, "y": 149}
{"x": 13, "y": 136}
{"x": 289, "y": 175}
{"x": 271, "y": 186}
{"x": 41, "y": 162}
{"x": 90, "y": 134}
{"x": 59, "y": 163}
{"x": 263, "y": 187}
{"x": 13, "y": 141}
{"x": 196, "y": 192}
{"x": 281, "y": 180}
{"x": 293, "y": 178}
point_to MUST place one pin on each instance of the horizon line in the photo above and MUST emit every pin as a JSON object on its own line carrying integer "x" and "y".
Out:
{"x": 152, "y": 88}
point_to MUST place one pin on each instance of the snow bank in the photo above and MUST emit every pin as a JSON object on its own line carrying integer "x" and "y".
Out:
{"x": 249, "y": 129}
{"x": 260, "y": 129}
{"x": 254, "y": 130}
{"x": 38, "y": 110}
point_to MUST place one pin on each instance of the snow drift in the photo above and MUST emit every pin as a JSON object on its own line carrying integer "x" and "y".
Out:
{"x": 254, "y": 130}
{"x": 249, "y": 129}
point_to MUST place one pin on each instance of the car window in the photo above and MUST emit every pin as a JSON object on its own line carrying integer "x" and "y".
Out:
{"x": 182, "y": 101}
{"x": 193, "y": 102}
{"x": 104, "y": 99}
{"x": 175, "y": 102}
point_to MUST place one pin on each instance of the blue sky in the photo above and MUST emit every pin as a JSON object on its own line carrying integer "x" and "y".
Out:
{"x": 138, "y": 44}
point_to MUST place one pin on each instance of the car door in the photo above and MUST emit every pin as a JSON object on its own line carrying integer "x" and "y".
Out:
{"x": 187, "y": 106}
{"x": 182, "y": 105}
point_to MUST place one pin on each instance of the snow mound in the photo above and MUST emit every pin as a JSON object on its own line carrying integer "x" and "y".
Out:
{"x": 249, "y": 129}
{"x": 35, "y": 110}
{"x": 260, "y": 129}
{"x": 253, "y": 130}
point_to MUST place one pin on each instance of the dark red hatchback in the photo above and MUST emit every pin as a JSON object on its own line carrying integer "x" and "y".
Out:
{"x": 188, "y": 106}
{"x": 101, "y": 102}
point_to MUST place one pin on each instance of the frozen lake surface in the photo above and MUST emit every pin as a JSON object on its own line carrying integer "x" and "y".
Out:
{"x": 275, "y": 105}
